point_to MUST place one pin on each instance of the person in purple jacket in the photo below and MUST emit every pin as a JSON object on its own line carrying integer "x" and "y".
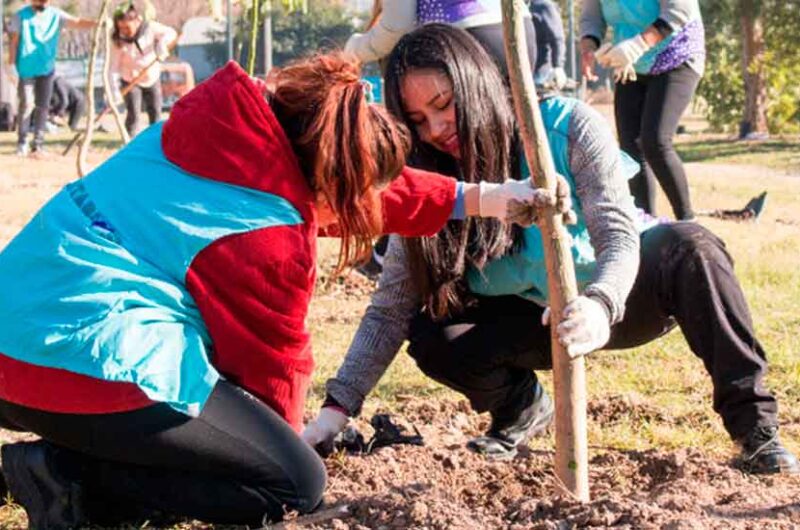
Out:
{"x": 658, "y": 56}
{"x": 394, "y": 18}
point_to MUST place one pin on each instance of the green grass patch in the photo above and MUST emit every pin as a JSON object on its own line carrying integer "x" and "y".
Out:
{"x": 778, "y": 153}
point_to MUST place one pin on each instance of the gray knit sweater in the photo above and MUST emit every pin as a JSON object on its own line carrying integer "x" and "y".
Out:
{"x": 605, "y": 199}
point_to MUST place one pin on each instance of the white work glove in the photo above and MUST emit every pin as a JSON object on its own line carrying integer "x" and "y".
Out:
{"x": 352, "y": 43}
{"x": 162, "y": 51}
{"x": 624, "y": 75}
{"x": 319, "y": 433}
{"x": 558, "y": 77}
{"x": 496, "y": 200}
{"x": 585, "y": 327}
{"x": 528, "y": 213}
{"x": 624, "y": 54}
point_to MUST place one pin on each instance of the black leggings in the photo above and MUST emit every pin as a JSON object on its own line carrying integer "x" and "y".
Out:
{"x": 235, "y": 464}
{"x": 647, "y": 112}
{"x": 491, "y": 38}
{"x": 152, "y": 100}
{"x": 685, "y": 275}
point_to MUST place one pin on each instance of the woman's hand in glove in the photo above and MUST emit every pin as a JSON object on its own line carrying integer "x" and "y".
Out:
{"x": 585, "y": 327}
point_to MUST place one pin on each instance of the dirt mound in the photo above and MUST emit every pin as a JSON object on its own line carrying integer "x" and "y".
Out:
{"x": 444, "y": 486}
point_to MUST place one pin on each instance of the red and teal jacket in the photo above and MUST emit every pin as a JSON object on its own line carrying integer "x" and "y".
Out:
{"x": 187, "y": 256}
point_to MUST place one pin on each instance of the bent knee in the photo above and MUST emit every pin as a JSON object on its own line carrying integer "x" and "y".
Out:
{"x": 682, "y": 240}
{"x": 654, "y": 145}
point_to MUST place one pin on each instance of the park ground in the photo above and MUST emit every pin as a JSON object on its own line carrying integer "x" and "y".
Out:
{"x": 659, "y": 456}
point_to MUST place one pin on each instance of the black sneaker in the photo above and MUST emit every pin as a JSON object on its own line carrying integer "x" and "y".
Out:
{"x": 502, "y": 439}
{"x": 51, "y": 501}
{"x": 763, "y": 452}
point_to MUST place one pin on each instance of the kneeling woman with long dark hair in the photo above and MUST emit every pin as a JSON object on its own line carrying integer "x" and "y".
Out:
{"x": 472, "y": 299}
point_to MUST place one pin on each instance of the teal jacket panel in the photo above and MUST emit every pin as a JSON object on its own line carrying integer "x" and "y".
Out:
{"x": 94, "y": 284}
{"x": 524, "y": 272}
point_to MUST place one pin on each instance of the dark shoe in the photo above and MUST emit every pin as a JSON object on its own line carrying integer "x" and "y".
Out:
{"x": 756, "y": 205}
{"x": 51, "y": 501}
{"x": 502, "y": 439}
{"x": 763, "y": 452}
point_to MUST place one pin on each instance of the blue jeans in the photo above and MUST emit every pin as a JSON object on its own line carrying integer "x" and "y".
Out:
{"x": 34, "y": 97}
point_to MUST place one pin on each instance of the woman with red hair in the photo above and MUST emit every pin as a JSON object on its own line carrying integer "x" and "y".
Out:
{"x": 152, "y": 314}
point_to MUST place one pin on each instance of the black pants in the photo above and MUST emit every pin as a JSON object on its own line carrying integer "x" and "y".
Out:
{"x": 647, "y": 113}
{"x": 151, "y": 98}
{"x": 76, "y": 109}
{"x": 685, "y": 275}
{"x": 491, "y": 38}
{"x": 234, "y": 464}
{"x": 34, "y": 97}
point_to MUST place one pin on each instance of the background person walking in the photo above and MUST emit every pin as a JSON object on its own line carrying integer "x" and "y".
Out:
{"x": 137, "y": 44}
{"x": 658, "y": 55}
{"x": 35, "y": 31}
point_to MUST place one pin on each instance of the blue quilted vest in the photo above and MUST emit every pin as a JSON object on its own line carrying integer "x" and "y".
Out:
{"x": 524, "y": 273}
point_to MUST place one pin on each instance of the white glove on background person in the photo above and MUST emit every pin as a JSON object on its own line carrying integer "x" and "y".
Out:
{"x": 162, "y": 51}
{"x": 496, "y": 199}
{"x": 585, "y": 327}
{"x": 352, "y": 43}
{"x": 319, "y": 433}
{"x": 558, "y": 77}
{"x": 624, "y": 75}
{"x": 624, "y": 54}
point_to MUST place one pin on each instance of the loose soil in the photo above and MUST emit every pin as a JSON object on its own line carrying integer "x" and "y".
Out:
{"x": 444, "y": 486}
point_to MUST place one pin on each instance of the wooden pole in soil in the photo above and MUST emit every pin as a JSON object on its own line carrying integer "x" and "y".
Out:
{"x": 569, "y": 375}
{"x": 83, "y": 151}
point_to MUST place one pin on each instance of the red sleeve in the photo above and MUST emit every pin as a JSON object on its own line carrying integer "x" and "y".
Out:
{"x": 418, "y": 203}
{"x": 253, "y": 291}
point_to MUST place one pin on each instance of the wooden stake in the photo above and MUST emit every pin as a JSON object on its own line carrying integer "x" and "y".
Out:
{"x": 83, "y": 151}
{"x": 569, "y": 375}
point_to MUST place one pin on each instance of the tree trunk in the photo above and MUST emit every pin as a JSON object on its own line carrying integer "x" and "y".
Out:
{"x": 755, "y": 82}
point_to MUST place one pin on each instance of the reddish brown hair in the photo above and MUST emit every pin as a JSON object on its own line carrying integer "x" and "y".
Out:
{"x": 345, "y": 146}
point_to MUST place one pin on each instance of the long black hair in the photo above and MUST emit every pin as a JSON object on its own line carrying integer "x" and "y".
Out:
{"x": 488, "y": 141}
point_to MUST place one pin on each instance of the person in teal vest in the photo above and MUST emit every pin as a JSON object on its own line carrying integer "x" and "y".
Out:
{"x": 34, "y": 34}
{"x": 658, "y": 56}
{"x": 153, "y": 313}
{"x": 472, "y": 300}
